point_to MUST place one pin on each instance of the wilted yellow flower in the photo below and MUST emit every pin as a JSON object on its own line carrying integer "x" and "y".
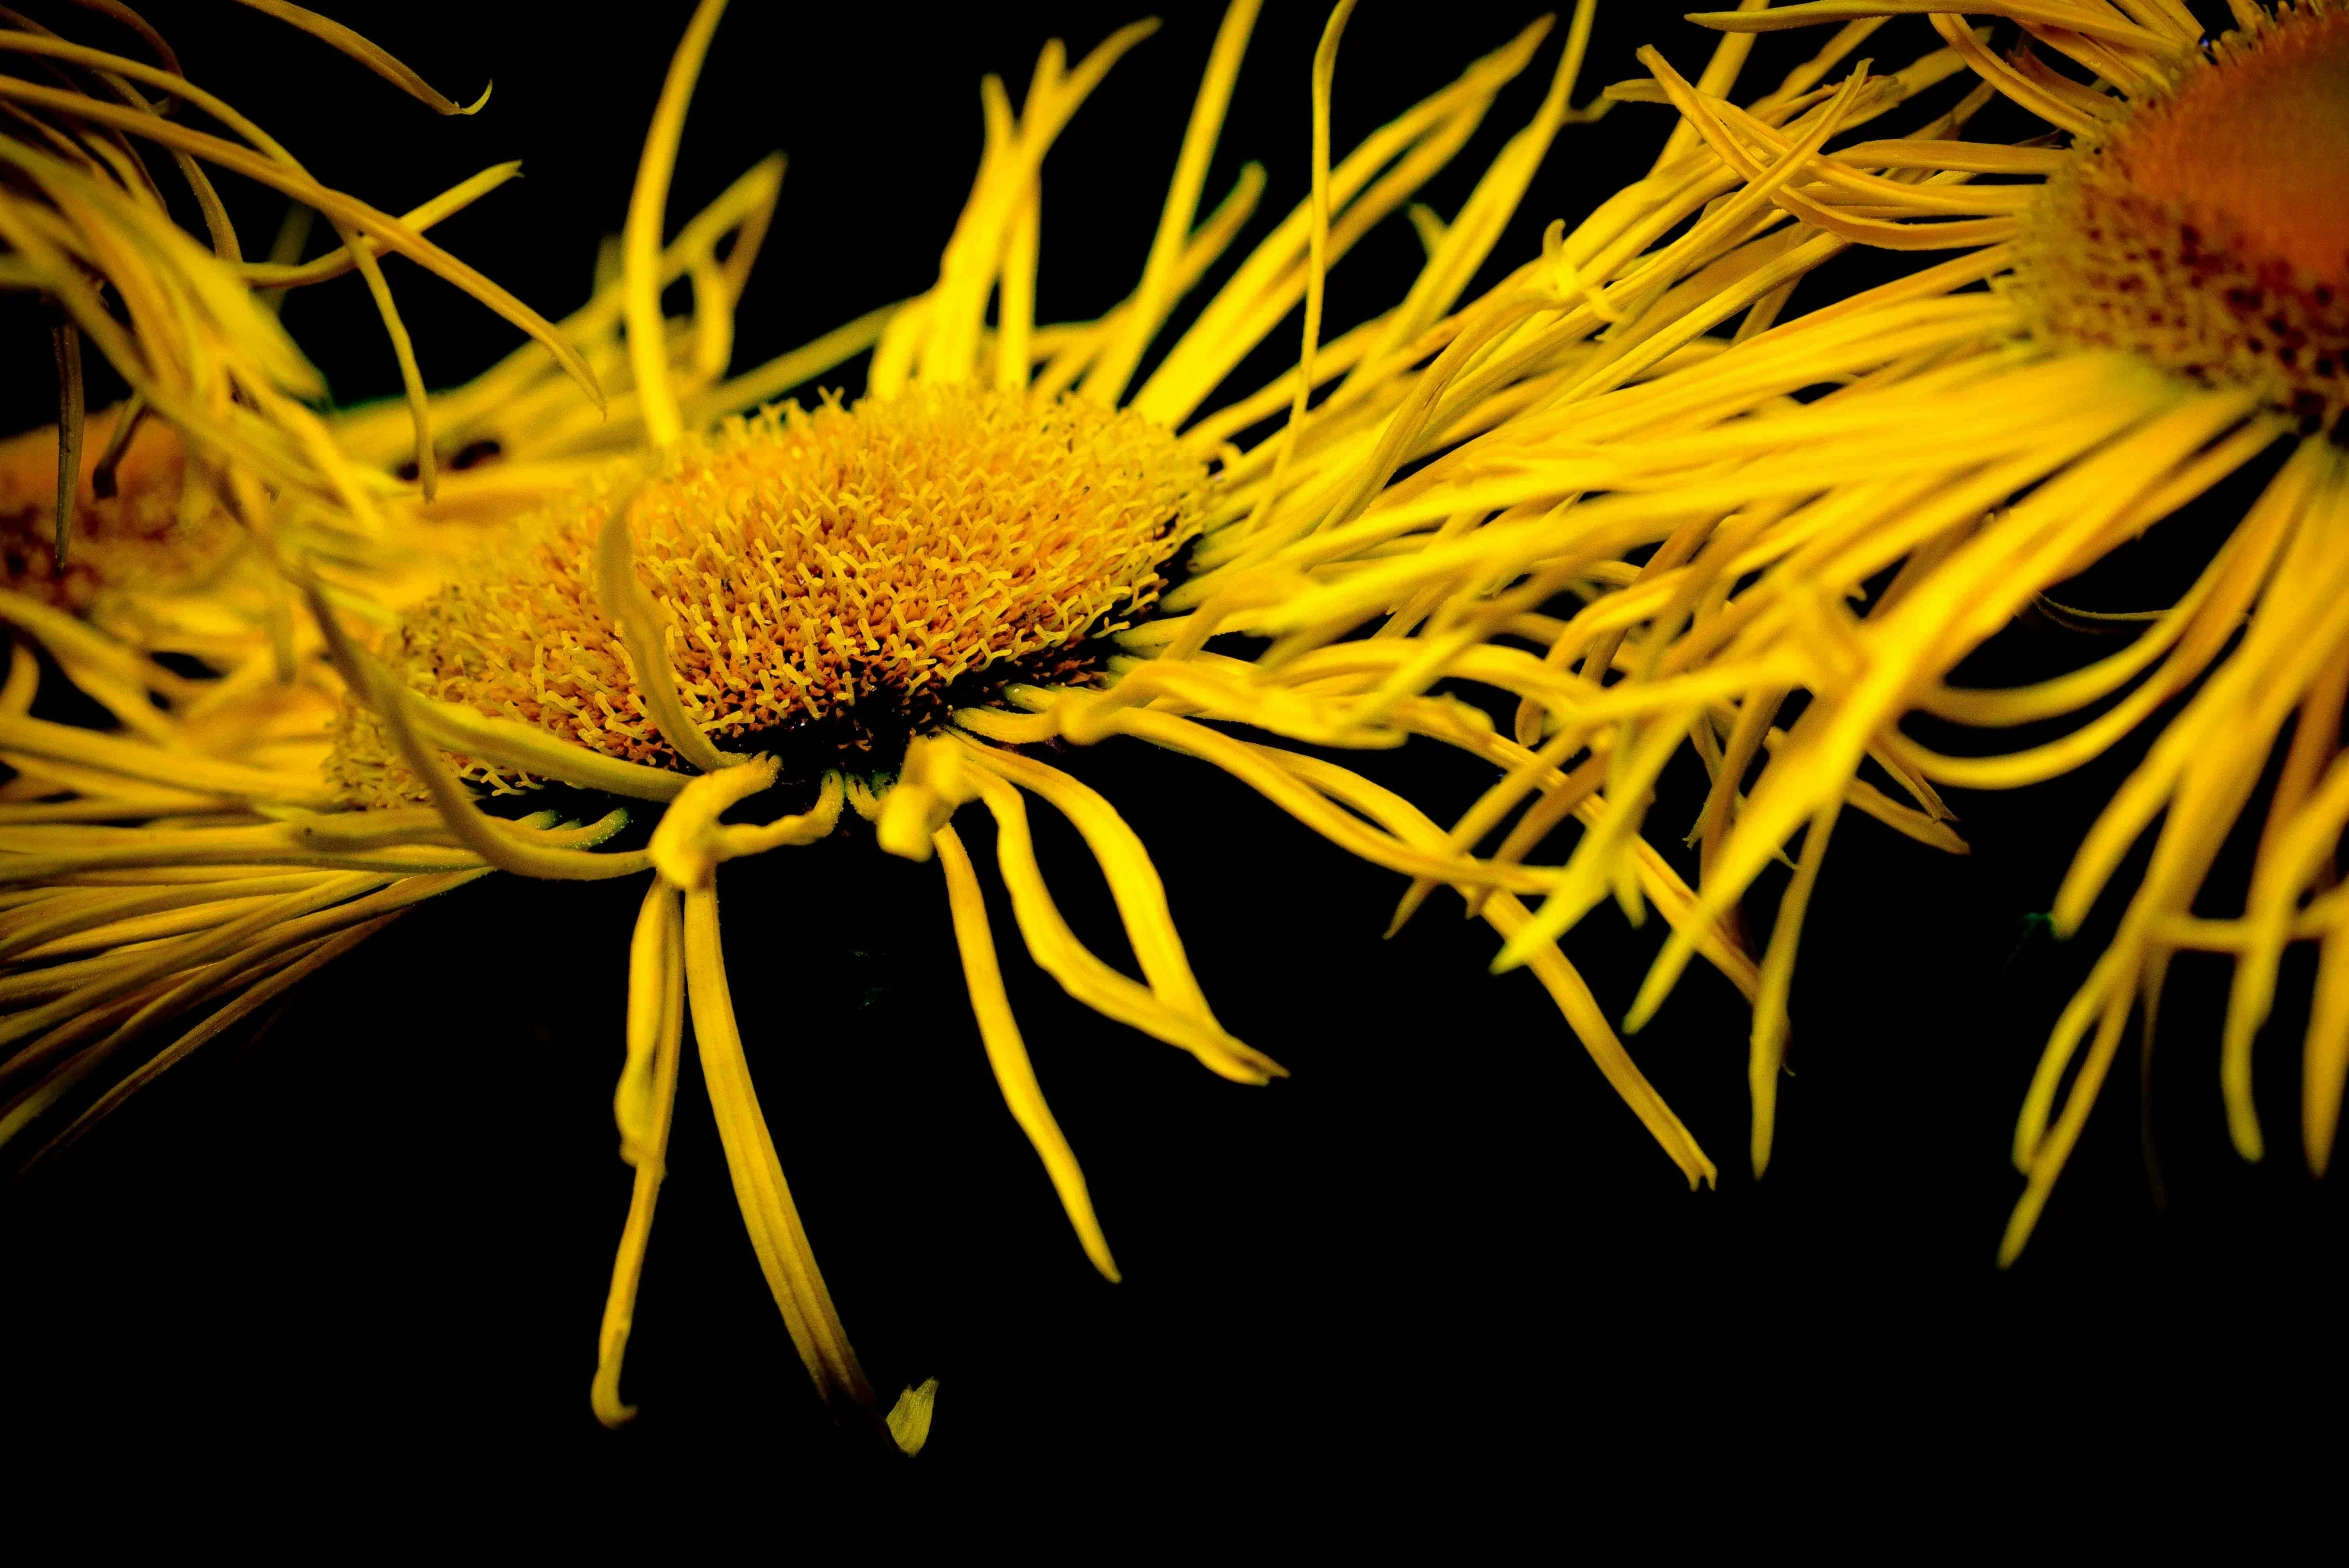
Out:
{"x": 873, "y": 607}
{"x": 158, "y": 527}
{"x": 2168, "y": 299}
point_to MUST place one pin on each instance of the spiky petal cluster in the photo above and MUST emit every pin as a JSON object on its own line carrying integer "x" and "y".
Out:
{"x": 845, "y": 564}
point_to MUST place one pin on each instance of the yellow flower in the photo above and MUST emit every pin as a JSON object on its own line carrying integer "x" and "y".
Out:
{"x": 872, "y": 608}
{"x": 157, "y": 527}
{"x": 1843, "y": 507}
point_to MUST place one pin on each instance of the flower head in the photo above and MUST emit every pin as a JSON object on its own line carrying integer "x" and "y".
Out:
{"x": 769, "y": 626}
{"x": 1840, "y": 507}
{"x": 164, "y": 522}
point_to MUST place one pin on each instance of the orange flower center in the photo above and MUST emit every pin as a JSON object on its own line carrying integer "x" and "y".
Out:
{"x": 2210, "y": 231}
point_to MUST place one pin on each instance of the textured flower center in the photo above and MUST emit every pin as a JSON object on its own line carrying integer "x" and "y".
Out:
{"x": 150, "y": 533}
{"x": 826, "y": 578}
{"x": 2210, "y": 232}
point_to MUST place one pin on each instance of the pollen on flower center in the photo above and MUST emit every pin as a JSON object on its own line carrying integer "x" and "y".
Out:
{"x": 2209, "y": 231}
{"x": 827, "y": 574}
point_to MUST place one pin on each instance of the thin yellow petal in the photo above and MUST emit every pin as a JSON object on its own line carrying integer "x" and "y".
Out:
{"x": 1007, "y": 1054}
{"x": 646, "y": 1099}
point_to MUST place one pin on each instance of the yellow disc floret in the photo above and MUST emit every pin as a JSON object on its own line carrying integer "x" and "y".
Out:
{"x": 828, "y": 575}
{"x": 2210, "y": 230}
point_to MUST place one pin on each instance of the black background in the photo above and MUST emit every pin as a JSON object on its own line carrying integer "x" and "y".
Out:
{"x": 367, "y": 1244}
